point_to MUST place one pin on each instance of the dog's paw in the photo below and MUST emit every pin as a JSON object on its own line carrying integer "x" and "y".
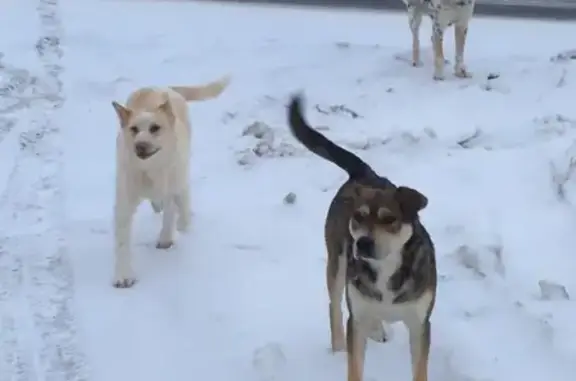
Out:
{"x": 124, "y": 279}
{"x": 123, "y": 276}
{"x": 460, "y": 71}
{"x": 164, "y": 244}
{"x": 124, "y": 283}
{"x": 381, "y": 332}
{"x": 417, "y": 63}
{"x": 438, "y": 77}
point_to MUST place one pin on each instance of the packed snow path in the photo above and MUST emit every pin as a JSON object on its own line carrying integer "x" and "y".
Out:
{"x": 242, "y": 296}
{"x": 37, "y": 330}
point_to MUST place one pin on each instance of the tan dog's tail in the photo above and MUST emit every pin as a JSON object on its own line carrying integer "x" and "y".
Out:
{"x": 204, "y": 92}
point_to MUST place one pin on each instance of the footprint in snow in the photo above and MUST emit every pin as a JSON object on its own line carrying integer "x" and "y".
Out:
{"x": 269, "y": 361}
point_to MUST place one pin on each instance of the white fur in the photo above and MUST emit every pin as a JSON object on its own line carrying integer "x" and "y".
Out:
{"x": 367, "y": 310}
{"x": 443, "y": 13}
{"x": 162, "y": 178}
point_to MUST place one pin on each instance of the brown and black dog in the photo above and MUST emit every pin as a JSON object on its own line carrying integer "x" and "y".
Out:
{"x": 378, "y": 251}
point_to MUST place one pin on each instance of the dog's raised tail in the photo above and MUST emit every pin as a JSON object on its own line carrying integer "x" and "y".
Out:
{"x": 322, "y": 146}
{"x": 203, "y": 92}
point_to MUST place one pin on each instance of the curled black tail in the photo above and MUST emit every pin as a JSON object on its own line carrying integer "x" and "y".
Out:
{"x": 321, "y": 146}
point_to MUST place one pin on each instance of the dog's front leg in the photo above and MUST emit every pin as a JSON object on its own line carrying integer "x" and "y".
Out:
{"x": 438, "y": 47}
{"x": 166, "y": 237}
{"x": 419, "y": 349}
{"x": 182, "y": 201}
{"x": 356, "y": 346}
{"x": 336, "y": 283}
{"x": 124, "y": 212}
{"x": 460, "y": 33}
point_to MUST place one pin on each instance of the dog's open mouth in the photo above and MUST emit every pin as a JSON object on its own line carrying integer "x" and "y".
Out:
{"x": 146, "y": 154}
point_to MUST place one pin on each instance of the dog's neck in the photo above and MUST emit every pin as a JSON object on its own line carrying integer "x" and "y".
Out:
{"x": 390, "y": 262}
{"x": 385, "y": 268}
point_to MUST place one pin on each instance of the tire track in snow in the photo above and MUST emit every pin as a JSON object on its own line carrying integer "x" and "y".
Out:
{"x": 36, "y": 287}
{"x": 15, "y": 360}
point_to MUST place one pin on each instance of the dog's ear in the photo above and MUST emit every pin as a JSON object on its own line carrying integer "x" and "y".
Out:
{"x": 411, "y": 201}
{"x": 123, "y": 113}
{"x": 166, "y": 109}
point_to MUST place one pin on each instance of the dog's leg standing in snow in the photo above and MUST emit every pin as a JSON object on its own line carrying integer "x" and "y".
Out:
{"x": 415, "y": 20}
{"x": 182, "y": 201}
{"x": 443, "y": 14}
{"x": 460, "y": 34}
{"x": 124, "y": 209}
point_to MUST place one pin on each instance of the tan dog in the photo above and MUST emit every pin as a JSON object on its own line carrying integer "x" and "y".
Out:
{"x": 152, "y": 162}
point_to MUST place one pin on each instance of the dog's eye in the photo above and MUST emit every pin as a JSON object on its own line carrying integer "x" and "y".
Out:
{"x": 387, "y": 220}
{"x": 134, "y": 130}
{"x": 358, "y": 217}
{"x": 154, "y": 128}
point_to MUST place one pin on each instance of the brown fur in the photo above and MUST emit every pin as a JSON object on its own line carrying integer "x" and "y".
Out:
{"x": 379, "y": 255}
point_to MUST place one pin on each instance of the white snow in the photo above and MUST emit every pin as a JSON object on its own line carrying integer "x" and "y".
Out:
{"x": 242, "y": 296}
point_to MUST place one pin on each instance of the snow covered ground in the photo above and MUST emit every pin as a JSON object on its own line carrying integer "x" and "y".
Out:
{"x": 242, "y": 296}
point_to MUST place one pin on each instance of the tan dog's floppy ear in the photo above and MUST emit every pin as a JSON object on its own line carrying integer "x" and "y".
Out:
{"x": 124, "y": 113}
{"x": 411, "y": 201}
{"x": 166, "y": 108}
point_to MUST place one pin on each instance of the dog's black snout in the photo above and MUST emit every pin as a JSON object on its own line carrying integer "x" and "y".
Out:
{"x": 365, "y": 245}
{"x": 141, "y": 148}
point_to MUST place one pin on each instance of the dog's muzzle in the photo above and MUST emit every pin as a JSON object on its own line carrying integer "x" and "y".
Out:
{"x": 364, "y": 247}
{"x": 144, "y": 150}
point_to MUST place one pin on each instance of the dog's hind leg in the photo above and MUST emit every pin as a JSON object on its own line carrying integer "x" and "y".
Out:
{"x": 166, "y": 237}
{"x": 336, "y": 281}
{"x": 438, "y": 47}
{"x": 123, "y": 215}
{"x": 182, "y": 201}
{"x": 460, "y": 34}
{"x": 415, "y": 20}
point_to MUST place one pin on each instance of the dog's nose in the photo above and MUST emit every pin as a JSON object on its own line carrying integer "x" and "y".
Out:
{"x": 141, "y": 148}
{"x": 365, "y": 245}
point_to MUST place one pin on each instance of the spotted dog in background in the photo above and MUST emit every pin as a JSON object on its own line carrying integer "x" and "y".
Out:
{"x": 379, "y": 253}
{"x": 443, "y": 14}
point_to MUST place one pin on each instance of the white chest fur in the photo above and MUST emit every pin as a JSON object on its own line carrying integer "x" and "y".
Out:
{"x": 369, "y": 309}
{"x": 149, "y": 187}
